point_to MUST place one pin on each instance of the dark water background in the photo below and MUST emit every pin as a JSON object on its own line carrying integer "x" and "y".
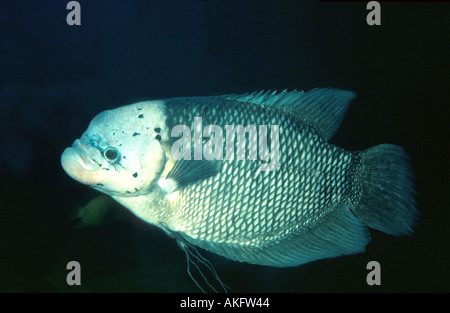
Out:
{"x": 54, "y": 78}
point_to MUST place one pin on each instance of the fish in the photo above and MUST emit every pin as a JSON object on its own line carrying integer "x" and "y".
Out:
{"x": 99, "y": 211}
{"x": 304, "y": 200}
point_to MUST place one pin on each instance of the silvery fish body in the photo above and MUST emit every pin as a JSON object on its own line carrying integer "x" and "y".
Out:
{"x": 309, "y": 200}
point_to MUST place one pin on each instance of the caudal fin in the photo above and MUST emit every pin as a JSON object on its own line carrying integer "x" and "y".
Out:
{"x": 387, "y": 193}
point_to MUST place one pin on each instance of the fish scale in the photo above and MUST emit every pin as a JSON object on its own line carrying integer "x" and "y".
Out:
{"x": 225, "y": 217}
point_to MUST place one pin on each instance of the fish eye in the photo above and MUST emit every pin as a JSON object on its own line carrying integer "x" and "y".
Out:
{"x": 111, "y": 154}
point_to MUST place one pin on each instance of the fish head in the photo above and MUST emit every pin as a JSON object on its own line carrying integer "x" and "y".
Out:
{"x": 120, "y": 153}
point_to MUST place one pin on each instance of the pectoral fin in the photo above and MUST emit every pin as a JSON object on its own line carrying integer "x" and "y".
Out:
{"x": 187, "y": 171}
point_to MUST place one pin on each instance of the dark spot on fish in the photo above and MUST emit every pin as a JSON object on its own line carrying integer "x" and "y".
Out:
{"x": 136, "y": 134}
{"x": 158, "y": 137}
{"x": 141, "y": 116}
{"x": 105, "y": 168}
{"x": 128, "y": 191}
{"x": 100, "y": 185}
{"x": 135, "y": 175}
{"x": 157, "y": 129}
{"x": 120, "y": 145}
{"x": 139, "y": 109}
{"x": 99, "y": 164}
{"x": 124, "y": 157}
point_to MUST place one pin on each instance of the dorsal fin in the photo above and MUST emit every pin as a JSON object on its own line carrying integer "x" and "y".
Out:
{"x": 322, "y": 108}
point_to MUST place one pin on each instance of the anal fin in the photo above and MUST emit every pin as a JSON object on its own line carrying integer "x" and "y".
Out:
{"x": 338, "y": 233}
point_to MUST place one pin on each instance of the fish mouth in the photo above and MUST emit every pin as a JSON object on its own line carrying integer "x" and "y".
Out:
{"x": 79, "y": 153}
{"x": 77, "y": 164}
{"x": 83, "y": 154}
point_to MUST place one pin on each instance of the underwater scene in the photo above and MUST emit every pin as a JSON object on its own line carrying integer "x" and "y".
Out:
{"x": 250, "y": 146}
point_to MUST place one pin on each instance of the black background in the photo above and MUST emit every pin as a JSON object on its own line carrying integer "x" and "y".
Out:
{"x": 55, "y": 78}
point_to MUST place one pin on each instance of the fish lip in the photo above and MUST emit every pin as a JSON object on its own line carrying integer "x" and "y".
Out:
{"x": 80, "y": 155}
